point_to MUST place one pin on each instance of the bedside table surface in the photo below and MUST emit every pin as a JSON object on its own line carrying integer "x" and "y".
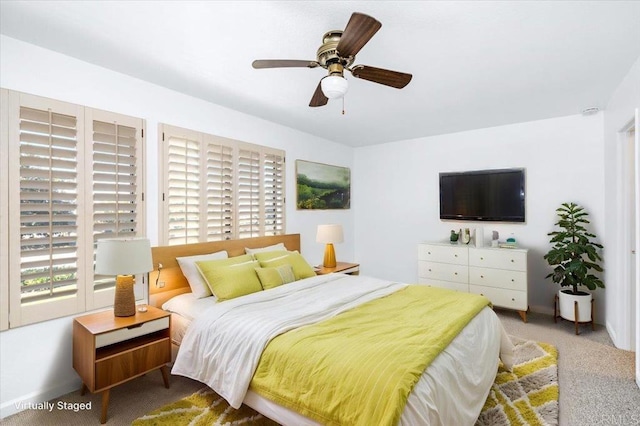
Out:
{"x": 102, "y": 322}
{"x": 340, "y": 266}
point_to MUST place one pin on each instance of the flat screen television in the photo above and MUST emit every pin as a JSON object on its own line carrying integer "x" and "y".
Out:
{"x": 483, "y": 195}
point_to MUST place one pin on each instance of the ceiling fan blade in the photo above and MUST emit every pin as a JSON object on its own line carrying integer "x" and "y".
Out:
{"x": 357, "y": 33}
{"x": 318, "y": 98}
{"x": 378, "y": 75}
{"x": 283, "y": 63}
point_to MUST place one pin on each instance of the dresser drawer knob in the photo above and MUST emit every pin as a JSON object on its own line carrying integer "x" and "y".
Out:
{"x": 428, "y": 252}
{"x": 481, "y": 276}
{"x": 455, "y": 255}
{"x": 429, "y": 269}
{"x": 512, "y": 260}
{"x": 482, "y": 258}
{"x": 512, "y": 280}
{"x": 455, "y": 273}
{"x": 481, "y": 294}
{"x": 513, "y": 299}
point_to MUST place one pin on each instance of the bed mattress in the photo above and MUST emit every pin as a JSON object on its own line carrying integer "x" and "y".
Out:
{"x": 451, "y": 390}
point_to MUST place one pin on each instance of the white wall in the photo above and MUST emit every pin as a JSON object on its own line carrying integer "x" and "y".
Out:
{"x": 621, "y": 110}
{"x": 27, "y": 371}
{"x": 396, "y": 193}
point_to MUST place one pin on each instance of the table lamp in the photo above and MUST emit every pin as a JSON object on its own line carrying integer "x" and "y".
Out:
{"x": 123, "y": 257}
{"x": 329, "y": 234}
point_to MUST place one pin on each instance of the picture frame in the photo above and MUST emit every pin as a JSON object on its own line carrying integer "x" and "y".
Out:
{"x": 322, "y": 186}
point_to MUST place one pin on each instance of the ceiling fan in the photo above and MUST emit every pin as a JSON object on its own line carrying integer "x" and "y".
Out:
{"x": 337, "y": 53}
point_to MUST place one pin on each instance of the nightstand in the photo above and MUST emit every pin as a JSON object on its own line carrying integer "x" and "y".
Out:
{"x": 342, "y": 267}
{"x": 110, "y": 350}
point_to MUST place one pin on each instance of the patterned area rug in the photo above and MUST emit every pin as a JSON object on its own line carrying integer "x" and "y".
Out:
{"x": 526, "y": 396}
{"x": 529, "y": 394}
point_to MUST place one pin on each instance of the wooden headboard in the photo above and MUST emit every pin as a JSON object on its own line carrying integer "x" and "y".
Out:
{"x": 175, "y": 283}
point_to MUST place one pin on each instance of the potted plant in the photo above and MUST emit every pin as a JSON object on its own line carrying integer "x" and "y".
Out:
{"x": 574, "y": 256}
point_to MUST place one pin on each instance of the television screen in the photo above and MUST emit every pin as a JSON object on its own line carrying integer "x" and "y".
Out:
{"x": 484, "y": 195}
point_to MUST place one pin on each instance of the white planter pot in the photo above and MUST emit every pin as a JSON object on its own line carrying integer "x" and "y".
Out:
{"x": 567, "y": 309}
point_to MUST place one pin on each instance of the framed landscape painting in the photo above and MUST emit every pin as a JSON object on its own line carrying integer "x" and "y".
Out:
{"x": 322, "y": 187}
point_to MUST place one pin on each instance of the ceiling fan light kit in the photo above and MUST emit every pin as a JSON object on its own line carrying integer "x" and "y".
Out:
{"x": 337, "y": 53}
{"x": 334, "y": 86}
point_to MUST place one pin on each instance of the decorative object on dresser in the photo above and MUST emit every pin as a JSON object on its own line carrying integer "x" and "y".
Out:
{"x": 110, "y": 350}
{"x": 498, "y": 274}
{"x": 329, "y": 234}
{"x": 123, "y": 257}
{"x": 574, "y": 255}
{"x": 341, "y": 267}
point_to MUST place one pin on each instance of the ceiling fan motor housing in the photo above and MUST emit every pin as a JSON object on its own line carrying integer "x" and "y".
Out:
{"x": 328, "y": 51}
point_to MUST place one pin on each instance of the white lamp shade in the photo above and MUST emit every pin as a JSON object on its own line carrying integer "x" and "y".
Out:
{"x": 334, "y": 86}
{"x": 330, "y": 234}
{"x": 123, "y": 256}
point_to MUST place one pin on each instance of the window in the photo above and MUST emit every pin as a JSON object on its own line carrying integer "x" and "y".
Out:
{"x": 215, "y": 188}
{"x": 75, "y": 175}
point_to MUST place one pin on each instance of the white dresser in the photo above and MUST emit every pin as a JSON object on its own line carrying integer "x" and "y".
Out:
{"x": 500, "y": 274}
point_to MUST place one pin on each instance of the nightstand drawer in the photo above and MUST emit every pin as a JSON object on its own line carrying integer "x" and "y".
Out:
{"x": 126, "y": 365}
{"x": 122, "y": 334}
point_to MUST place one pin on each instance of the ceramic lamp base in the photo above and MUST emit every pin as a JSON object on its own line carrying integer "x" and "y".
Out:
{"x": 329, "y": 256}
{"x": 124, "y": 304}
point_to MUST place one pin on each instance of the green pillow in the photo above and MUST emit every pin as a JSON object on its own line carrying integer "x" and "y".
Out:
{"x": 231, "y": 281}
{"x": 301, "y": 269}
{"x": 273, "y": 277}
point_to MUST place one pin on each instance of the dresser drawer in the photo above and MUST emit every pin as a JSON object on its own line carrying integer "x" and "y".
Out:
{"x": 498, "y": 258}
{"x": 122, "y": 334}
{"x": 500, "y": 278}
{"x": 511, "y": 299}
{"x": 443, "y": 253}
{"x": 443, "y": 271}
{"x": 463, "y": 287}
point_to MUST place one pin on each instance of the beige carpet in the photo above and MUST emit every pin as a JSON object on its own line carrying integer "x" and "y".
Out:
{"x": 528, "y": 395}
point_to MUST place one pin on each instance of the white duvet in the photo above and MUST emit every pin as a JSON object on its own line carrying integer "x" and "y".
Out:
{"x": 223, "y": 345}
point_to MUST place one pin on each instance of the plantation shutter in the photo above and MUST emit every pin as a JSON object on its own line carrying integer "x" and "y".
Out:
{"x": 47, "y": 166}
{"x": 273, "y": 167}
{"x": 215, "y": 188}
{"x": 219, "y": 187}
{"x": 248, "y": 193}
{"x": 117, "y": 184}
{"x": 183, "y": 181}
{"x": 73, "y": 175}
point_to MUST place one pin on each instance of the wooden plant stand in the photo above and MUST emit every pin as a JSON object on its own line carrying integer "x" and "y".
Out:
{"x": 575, "y": 314}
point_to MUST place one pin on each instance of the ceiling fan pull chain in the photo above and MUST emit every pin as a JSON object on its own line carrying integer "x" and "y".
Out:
{"x": 343, "y": 105}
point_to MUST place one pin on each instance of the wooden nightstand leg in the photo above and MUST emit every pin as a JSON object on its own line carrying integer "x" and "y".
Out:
{"x": 83, "y": 389}
{"x": 105, "y": 406}
{"x": 165, "y": 375}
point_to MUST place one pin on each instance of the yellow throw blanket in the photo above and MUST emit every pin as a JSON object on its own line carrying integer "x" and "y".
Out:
{"x": 359, "y": 367}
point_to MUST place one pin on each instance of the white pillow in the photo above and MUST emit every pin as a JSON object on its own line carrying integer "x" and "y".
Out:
{"x": 275, "y": 247}
{"x": 187, "y": 305}
{"x": 199, "y": 287}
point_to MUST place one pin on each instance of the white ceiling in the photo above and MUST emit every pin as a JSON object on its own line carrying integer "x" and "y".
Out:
{"x": 475, "y": 64}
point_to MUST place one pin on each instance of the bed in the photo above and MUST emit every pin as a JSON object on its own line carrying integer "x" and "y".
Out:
{"x": 239, "y": 347}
